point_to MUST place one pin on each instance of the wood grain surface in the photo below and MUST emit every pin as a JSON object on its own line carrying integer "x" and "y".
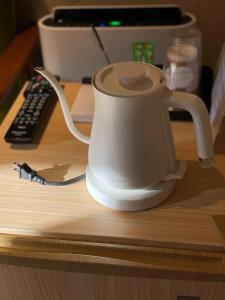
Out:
{"x": 69, "y": 214}
{"x": 22, "y": 283}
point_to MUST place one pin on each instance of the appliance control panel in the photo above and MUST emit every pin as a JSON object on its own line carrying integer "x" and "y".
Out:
{"x": 155, "y": 15}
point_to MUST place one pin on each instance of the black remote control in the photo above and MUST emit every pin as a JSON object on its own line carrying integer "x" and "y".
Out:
{"x": 34, "y": 113}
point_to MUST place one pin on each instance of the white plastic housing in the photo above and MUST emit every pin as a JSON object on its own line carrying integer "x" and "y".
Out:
{"x": 74, "y": 52}
{"x": 196, "y": 107}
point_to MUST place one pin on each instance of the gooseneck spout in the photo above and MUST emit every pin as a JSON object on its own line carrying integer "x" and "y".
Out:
{"x": 66, "y": 112}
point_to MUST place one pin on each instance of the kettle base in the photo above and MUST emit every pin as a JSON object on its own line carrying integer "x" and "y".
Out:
{"x": 129, "y": 199}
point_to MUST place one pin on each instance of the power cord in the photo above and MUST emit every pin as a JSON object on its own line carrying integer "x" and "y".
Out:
{"x": 101, "y": 46}
{"x": 25, "y": 172}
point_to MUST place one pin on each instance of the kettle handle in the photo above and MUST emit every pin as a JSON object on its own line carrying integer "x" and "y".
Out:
{"x": 66, "y": 112}
{"x": 196, "y": 107}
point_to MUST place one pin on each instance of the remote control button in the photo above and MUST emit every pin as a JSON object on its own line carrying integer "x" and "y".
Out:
{"x": 21, "y": 113}
{"x": 39, "y": 77}
{"x": 37, "y": 113}
{"x": 21, "y": 127}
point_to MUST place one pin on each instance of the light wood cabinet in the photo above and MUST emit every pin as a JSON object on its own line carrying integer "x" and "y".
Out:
{"x": 59, "y": 243}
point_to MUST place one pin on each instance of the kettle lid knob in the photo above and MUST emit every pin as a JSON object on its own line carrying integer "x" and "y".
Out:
{"x": 129, "y": 73}
{"x": 129, "y": 79}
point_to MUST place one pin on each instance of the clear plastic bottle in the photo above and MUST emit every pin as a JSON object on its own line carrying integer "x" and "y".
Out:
{"x": 183, "y": 61}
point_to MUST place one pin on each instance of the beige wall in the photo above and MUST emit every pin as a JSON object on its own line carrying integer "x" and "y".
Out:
{"x": 210, "y": 17}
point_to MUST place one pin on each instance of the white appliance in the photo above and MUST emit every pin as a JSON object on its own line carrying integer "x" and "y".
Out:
{"x": 78, "y": 40}
{"x": 131, "y": 160}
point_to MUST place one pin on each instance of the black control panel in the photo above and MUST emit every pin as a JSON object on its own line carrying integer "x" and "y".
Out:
{"x": 119, "y": 16}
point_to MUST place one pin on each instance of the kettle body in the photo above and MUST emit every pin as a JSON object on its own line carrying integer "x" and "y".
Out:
{"x": 131, "y": 143}
{"x": 131, "y": 158}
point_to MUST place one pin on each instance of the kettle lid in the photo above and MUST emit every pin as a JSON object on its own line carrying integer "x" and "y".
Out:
{"x": 129, "y": 79}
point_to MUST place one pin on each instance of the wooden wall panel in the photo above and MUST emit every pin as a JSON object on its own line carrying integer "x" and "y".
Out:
{"x": 22, "y": 283}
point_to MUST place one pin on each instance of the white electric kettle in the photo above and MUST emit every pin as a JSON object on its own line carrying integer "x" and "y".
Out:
{"x": 131, "y": 160}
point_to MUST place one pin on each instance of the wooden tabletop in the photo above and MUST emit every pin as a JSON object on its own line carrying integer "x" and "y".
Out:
{"x": 184, "y": 221}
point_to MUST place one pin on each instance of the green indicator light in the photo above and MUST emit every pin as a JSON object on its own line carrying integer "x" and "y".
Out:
{"x": 115, "y": 23}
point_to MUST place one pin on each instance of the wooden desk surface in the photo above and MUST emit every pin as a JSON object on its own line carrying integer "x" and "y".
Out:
{"x": 35, "y": 218}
